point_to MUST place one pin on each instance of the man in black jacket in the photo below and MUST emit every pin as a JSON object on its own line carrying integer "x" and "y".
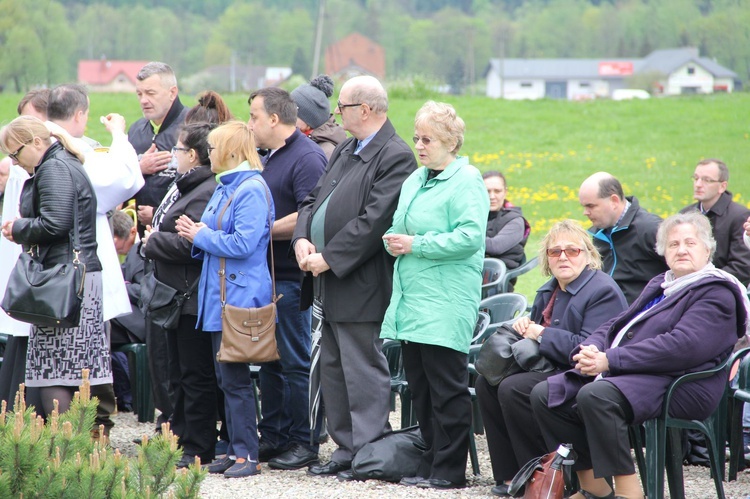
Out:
{"x": 154, "y": 135}
{"x": 727, "y": 217}
{"x": 338, "y": 241}
{"x": 624, "y": 233}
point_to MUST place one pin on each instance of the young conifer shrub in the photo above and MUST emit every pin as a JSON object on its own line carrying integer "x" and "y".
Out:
{"x": 60, "y": 459}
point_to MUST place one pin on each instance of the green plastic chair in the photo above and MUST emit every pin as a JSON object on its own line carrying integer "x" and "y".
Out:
{"x": 493, "y": 276}
{"x": 140, "y": 380}
{"x": 511, "y": 274}
{"x": 503, "y": 307}
{"x": 739, "y": 396}
{"x": 663, "y": 439}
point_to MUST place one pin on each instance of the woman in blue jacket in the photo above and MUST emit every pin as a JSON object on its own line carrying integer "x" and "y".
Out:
{"x": 243, "y": 242}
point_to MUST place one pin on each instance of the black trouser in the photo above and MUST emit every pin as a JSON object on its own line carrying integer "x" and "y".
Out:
{"x": 513, "y": 436}
{"x": 438, "y": 379}
{"x": 156, "y": 342}
{"x": 193, "y": 380}
{"x": 596, "y": 423}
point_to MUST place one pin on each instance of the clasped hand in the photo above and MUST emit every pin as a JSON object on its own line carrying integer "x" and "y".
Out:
{"x": 527, "y": 328}
{"x": 187, "y": 228}
{"x": 590, "y": 361}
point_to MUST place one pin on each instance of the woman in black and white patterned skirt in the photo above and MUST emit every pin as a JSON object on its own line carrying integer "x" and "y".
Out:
{"x": 57, "y": 356}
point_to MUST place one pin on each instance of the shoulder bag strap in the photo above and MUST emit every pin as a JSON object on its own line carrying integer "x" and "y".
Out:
{"x": 222, "y": 260}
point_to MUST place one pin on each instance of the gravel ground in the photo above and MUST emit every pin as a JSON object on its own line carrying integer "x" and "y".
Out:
{"x": 292, "y": 484}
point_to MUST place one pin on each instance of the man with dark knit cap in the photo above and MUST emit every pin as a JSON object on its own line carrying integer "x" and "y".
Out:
{"x": 291, "y": 169}
{"x": 314, "y": 117}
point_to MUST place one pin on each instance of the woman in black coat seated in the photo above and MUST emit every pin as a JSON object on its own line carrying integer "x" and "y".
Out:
{"x": 571, "y": 305}
{"x": 191, "y": 365}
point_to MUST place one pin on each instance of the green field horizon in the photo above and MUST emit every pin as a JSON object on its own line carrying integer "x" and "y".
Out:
{"x": 546, "y": 148}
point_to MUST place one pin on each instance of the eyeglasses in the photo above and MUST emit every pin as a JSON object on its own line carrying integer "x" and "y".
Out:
{"x": 705, "y": 180}
{"x": 569, "y": 252}
{"x": 183, "y": 149}
{"x": 14, "y": 155}
{"x": 425, "y": 140}
{"x": 342, "y": 106}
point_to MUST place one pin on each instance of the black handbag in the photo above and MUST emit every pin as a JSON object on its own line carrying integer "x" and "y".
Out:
{"x": 50, "y": 297}
{"x": 160, "y": 303}
{"x": 391, "y": 456}
{"x": 506, "y": 352}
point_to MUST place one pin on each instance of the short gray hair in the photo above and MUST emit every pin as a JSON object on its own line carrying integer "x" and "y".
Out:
{"x": 441, "y": 119}
{"x": 374, "y": 95}
{"x": 165, "y": 72}
{"x": 695, "y": 218}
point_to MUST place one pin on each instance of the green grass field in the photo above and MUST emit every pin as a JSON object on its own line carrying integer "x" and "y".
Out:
{"x": 546, "y": 148}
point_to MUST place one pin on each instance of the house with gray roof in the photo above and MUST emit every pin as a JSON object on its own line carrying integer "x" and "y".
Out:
{"x": 674, "y": 72}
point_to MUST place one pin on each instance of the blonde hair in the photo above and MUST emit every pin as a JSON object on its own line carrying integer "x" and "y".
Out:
{"x": 234, "y": 137}
{"x": 441, "y": 119}
{"x": 25, "y": 128}
{"x": 572, "y": 230}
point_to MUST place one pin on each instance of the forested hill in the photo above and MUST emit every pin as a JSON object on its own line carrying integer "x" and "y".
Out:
{"x": 442, "y": 40}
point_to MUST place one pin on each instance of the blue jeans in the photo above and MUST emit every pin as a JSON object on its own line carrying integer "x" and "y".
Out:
{"x": 284, "y": 384}
{"x": 239, "y": 404}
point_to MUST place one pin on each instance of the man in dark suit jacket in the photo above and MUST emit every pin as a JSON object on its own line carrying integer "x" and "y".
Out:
{"x": 726, "y": 216}
{"x": 338, "y": 242}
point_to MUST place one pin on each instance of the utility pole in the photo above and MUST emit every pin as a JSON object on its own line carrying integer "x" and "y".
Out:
{"x": 318, "y": 38}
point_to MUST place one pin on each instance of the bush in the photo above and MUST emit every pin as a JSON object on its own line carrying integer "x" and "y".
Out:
{"x": 413, "y": 88}
{"x": 60, "y": 459}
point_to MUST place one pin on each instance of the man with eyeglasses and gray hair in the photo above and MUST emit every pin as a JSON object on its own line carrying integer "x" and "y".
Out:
{"x": 623, "y": 232}
{"x": 338, "y": 244}
{"x": 727, "y": 217}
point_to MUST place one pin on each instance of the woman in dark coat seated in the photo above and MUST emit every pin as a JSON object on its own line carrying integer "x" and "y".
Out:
{"x": 571, "y": 305}
{"x": 685, "y": 320}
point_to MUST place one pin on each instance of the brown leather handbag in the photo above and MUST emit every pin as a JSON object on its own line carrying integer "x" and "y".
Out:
{"x": 248, "y": 335}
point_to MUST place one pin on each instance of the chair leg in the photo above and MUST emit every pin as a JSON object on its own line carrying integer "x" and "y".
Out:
{"x": 473, "y": 454}
{"x": 735, "y": 439}
{"x": 673, "y": 458}
{"x": 655, "y": 456}
{"x": 717, "y": 463}
{"x": 636, "y": 441}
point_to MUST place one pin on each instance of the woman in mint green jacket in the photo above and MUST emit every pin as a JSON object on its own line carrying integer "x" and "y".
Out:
{"x": 438, "y": 237}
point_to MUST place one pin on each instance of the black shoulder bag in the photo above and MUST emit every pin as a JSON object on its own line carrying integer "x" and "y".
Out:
{"x": 50, "y": 297}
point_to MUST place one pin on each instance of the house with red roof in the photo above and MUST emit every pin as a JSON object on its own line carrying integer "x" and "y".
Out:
{"x": 353, "y": 55}
{"x": 103, "y": 75}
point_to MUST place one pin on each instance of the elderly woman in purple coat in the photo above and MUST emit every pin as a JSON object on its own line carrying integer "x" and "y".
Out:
{"x": 685, "y": 320}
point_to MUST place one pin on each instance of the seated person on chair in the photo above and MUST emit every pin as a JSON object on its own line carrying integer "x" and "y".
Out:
{"x": 567, "y": 309}
{"x": 507, "y": 230}
{"x": 685, "y": 320}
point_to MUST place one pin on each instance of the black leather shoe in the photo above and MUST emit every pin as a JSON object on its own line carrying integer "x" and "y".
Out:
{"x": 346, "y": 475}
{"x": 266, "y": 451}
{"x": 327, "y": 469}
{"x": 411, "y": 481}
{"x": 437, "y": 483}
{"x": 295, "y": 458}
{"x": 185, "y": 461}
{"x": 501, "y": 490}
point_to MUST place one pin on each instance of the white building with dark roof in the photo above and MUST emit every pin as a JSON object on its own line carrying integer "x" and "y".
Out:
{"x": 675, "y": 71}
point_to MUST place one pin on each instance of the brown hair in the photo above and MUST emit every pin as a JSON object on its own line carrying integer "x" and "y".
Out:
{"x": 39, "y": 100}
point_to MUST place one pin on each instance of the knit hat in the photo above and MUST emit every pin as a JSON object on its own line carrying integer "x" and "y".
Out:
{"x": 312, "y": 101}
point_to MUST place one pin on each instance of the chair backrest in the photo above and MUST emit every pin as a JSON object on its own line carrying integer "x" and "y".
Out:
{"x": 493, "y": 276}
{"x": 392, "y": 352}
{"x": 520, "y": 270}
{"x": 483, "y": 322}
{"x": 503, "y": 307}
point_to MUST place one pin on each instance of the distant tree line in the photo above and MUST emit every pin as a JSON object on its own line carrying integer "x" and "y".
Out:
{"x": 448, "y": 41}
